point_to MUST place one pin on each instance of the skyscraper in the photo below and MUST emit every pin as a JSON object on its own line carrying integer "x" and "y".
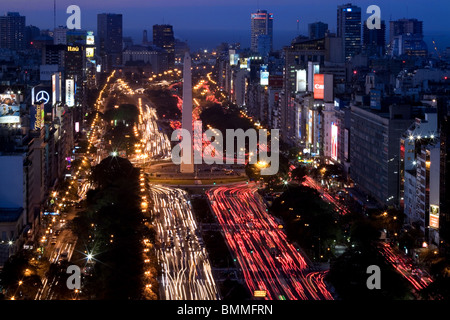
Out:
{"x": 405, "y": 26}
{"x": 163, "y": 37}
{"x": 12, "y": 31}
{"x": 109, "y": 30}
{"x": 261, "y": 24}
{"x": 60, "y": 35}
{"x": 349, "y": 28}
{"x": 317, "y": 30}
{"x": 145, "y": 38}
{"x": 374, "y": 40}
{"x": 406, "y": 37}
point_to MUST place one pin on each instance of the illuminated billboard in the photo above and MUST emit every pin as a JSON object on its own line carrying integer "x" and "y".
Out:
{"x": 334, "y": 141}
{"x": 8, "y": 99}
{"x": 243, "y": 63}
{"x": 316, "y": 68}
{"x": 234, "y": 58}
{"x": 9, "y": 113}
{"x": 434, "y": 216}
{"x": 9, "y": 109}
{"x": 318, "y": 86}
{"x": 89, "y": 52}
{"x": 301, "y": 80}
{"x": 40, "y": 116}
{"x": 70, "y": 92}
{"x": 73, "y": 48}
{"x": 264, "y": 75}
{"x": 309, "y": 128}
{"x": 56, "y": 87}
{"x": 90, "y": 39}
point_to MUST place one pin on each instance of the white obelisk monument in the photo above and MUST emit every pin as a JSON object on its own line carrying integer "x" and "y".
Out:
{"x": 186, "y": 122}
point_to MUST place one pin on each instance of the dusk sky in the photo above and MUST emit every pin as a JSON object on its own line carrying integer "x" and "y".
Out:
{"x": 208, "y": 22}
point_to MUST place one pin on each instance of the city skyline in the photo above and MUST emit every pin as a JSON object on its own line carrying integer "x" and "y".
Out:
{"x": 230, "y": 20}
{"x": 312, "y": 160}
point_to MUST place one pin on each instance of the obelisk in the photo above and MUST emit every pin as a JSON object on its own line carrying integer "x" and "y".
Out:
{"x": 186, "y": 122}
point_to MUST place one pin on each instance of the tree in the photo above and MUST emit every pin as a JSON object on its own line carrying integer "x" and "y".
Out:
{"x": 112, "y": 169}
{"x": 299, "y": 173}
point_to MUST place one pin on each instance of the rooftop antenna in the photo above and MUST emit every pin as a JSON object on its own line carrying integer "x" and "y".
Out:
{"x": 54, "y": 14}
{"x": 298, "y": 28}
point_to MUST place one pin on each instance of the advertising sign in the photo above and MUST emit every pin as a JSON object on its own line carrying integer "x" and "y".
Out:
{"x": 264, "y": 75}
{"x": 309, "y": 128}
{"x": 234, "y": 57}
{"x": 39, "y": 116}
{"x": 301, "y": 80}
{"x": 9, "y": 114}
{"x": 434, "y": 216}
{"x": 318, "y": 86}
{"x": 56, "y": 87}
{"x": 244, "y": 63}
{"x": 90, "y": 39}
{"x": 334, "y": 141}
{"x": 9, "y": 109}
{"x": 70, "y": 92}
{"x": 89, "y": 52}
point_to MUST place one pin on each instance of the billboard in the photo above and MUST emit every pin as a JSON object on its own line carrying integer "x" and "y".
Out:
{"x": 334, "y": 141}
{"x": 309, "y": 129}
{"x": 234, "y": 57}
{"x": 318, "y": 86}
{"x": 434, "y": 216}
{"x": 9, "y": 114}
{"x": 243, "y": 63}
{"x": 89, "y": 52}
{"x": 313, "y": 68}
{"x": 301, "y": 80}
{"x": 9, "y": 109}
{"x": 40, "y": 116}
{"x": 70, "y": 92}
{"x": 42, "y": 93}
{"x": 264, "y": 75}
{"x": 56, "y": 87}
{"x": 90, "y": 39}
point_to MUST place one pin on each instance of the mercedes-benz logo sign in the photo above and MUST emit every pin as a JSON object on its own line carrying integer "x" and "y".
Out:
{"x": 43, "y": 96}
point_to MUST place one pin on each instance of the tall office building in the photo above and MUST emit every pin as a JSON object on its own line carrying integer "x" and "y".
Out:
{"x": 145, "y": 38}
{"x": 375, "y": 150}
{"x": 60, "y": 35}
{"x": 12, "y": 31}
{"x": 261, "y": 24}
{"x": 406, "y": 37}
{"x": 317, "y": 30}
{"x": 163, "y": 37}
{"x": 349, "y": 28}
{"x": 405, "y": 26}
{"x": 374, "y": 40}
{"x": 109, "y": 30}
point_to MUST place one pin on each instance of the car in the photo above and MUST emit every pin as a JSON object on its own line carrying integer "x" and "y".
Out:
{"x": 53, "y": 242}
